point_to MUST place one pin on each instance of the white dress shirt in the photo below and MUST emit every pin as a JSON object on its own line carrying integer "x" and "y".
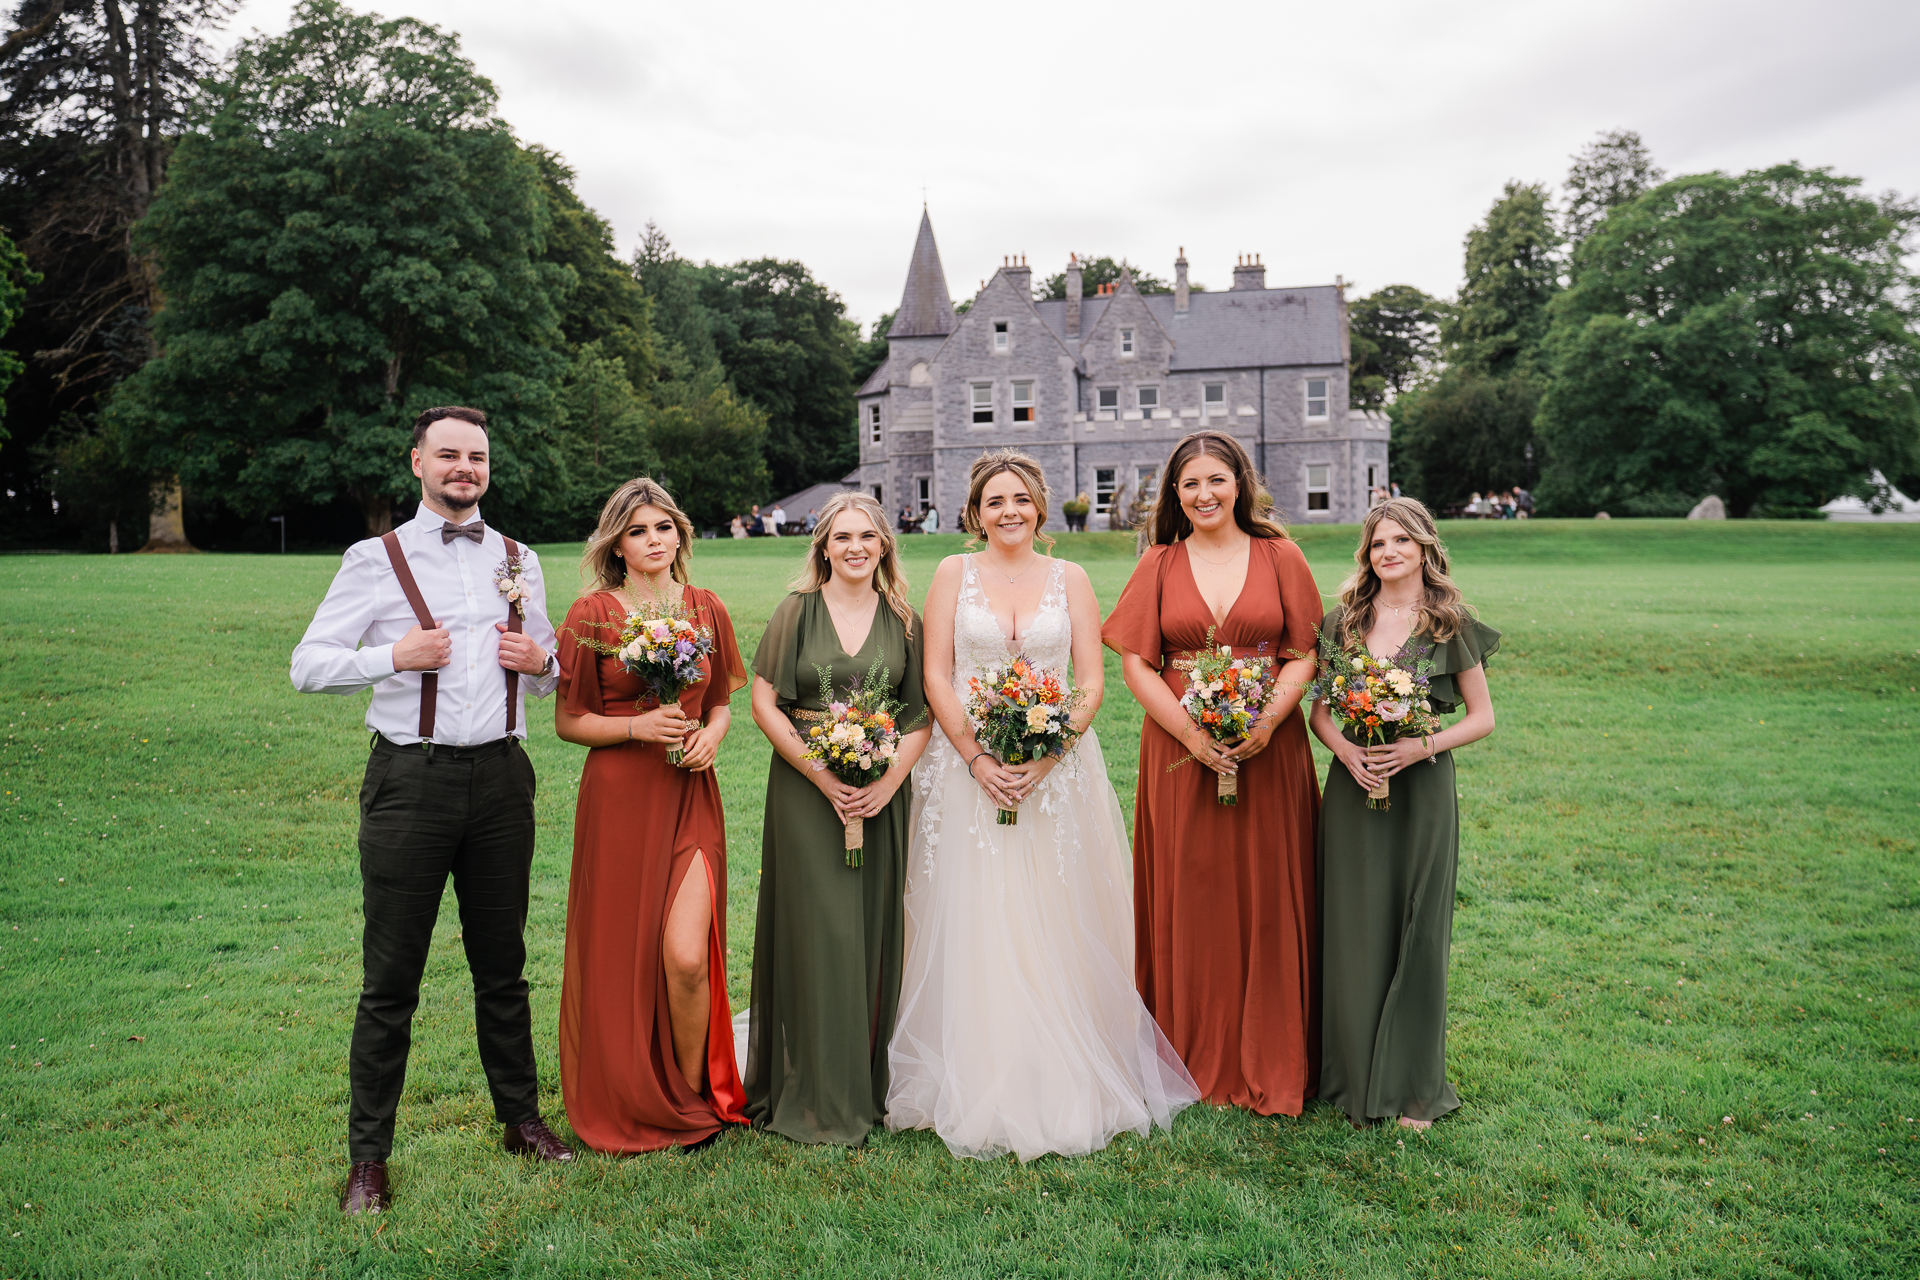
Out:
{"x": 349, "y": 645}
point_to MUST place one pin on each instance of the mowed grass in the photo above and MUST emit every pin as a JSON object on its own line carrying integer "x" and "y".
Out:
{"x": 1684, "y": 977}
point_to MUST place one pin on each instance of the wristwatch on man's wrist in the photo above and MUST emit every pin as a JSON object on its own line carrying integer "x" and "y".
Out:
{"x": 546, "y": 668}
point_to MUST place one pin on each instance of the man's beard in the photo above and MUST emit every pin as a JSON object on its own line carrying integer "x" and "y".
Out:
{"x": 457, "y": 505}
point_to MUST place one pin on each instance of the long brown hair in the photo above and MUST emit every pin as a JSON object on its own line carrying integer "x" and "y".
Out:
{"x": 986, "y": 467}
{"x": 1253, "y": 508}
{"x": 888, "y": 575}
{"x": 600, "y": 564}
{"x": 1442, "y": 612}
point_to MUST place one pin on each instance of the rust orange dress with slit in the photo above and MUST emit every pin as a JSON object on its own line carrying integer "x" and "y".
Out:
{"x": 636, "y": 827}
{"x": 1225, "y": 951}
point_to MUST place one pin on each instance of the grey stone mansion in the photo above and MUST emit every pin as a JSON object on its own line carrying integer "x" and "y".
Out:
{"x": 1098, "y": 389}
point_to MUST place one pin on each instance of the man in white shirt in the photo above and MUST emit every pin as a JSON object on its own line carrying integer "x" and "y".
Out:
{"x": 420, "y": 617}
{"x": 779, "y": 519}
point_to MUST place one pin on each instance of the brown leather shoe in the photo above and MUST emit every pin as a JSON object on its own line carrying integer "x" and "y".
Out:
{"x": 366, "y": 1188}
{"x": 534, "y": 1139}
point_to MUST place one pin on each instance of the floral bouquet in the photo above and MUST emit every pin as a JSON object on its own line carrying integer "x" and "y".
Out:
{"x": 1225, "y": 697}
{"x": 1380, "y": 700}
{"x": 664, "y": 652}
{"x": 1020, "y": 713}
{"x": 856, "y": 739}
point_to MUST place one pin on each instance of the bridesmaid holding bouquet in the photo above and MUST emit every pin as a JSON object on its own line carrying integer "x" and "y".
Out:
{"x": 646, "y": 1043}
{"x": 1223, "y": 894}
{"x": 829, "y": 934}
{"x": 1387, "y": 874}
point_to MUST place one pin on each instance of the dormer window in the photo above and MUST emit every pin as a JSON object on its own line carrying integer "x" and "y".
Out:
{"x": 1023, "y": 402}
{"x": 1126, "y": 342}
{"x": 999, "y": 335}
{"x": 1316, "y": 397}
{"x": 873, "y": 423}
{"x": 983, "y": 403}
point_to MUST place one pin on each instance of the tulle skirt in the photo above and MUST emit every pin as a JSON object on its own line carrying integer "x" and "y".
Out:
{"x": 1019, "y": 1027}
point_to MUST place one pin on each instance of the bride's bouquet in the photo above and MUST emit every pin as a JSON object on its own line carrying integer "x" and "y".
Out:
{"x": 1225, "y": 697}
{"x": 1021, "y": 713}
{"x": 856, "y": 739}
{"x": 662, "y": 651}
{"x": 1379, "y": 700}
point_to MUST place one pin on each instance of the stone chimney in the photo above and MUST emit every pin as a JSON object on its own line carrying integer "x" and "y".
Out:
{"x": 1346, "y": 334}
{"x": 1073, "y": 295}
{"x": 1180, "y": 283}
{"x": 1019, "y": 273}
{"x": 1248, "y": 273}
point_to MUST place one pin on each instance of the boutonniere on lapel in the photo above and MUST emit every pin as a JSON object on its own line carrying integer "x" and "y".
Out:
{"x": 511, "y": 581}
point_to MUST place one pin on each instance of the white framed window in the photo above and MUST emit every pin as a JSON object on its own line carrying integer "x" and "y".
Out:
{"x": 1146, "y": 481}
{"x": 1146, "y": 399}
{"x": 1213, "y": 398}
{"x": 983, "y": 403}
{"x": 873, "y": 423}
{"x": 1319, "y": 488}
{"x": 1023, "y": 402}
{"x": 1105, "y": 481}
{"x": 1109, "y": 397}
{"x": 1126, "y": 342}
{"x": 925, "y": 485}
{"x": 1316, "y": 397}
{"x": 999, "y": 335}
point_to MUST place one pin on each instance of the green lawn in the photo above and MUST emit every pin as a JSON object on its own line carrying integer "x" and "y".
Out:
{"x": 1684, "y": 980}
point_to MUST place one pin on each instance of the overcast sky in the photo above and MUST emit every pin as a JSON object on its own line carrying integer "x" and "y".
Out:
{"x": 1357, "y": 140}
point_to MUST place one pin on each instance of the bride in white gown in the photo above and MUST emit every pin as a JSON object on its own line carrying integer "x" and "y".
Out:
{"x": 1019, "y": 1027}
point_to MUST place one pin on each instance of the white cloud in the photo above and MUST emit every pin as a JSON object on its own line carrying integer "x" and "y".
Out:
{"x": 1353, "y": 140}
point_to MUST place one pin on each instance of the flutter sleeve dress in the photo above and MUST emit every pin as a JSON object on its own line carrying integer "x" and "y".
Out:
{"x": 828, "y": 938}
{"x": 1224, "y": 895}
{"x": 637, "y": 825}
{"x": 1386, "y": 907}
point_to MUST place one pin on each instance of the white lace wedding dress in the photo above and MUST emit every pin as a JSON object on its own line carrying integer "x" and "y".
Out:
{"x": 1019, "y": 1027}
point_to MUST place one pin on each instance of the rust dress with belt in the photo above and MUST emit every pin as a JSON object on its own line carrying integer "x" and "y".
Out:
{"x": 1225, "y": 953}
{"x": 636, "y": 827}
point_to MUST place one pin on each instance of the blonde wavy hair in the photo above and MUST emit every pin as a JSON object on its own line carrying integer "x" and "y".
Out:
{"x": 1442, "y": 611}
{"x": 993, "y": 463}
{"x": 601, "y": 566}
{"x": 888, "y": 577}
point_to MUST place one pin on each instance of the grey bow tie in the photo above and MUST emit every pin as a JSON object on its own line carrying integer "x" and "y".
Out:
{"x": 477, "y": 530}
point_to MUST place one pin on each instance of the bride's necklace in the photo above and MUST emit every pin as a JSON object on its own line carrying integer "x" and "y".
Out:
{"x": 1235, "y": 555}
{"x": 1013, "y": 578}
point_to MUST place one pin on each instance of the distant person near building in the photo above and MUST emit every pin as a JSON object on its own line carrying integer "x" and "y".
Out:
{"x": 930, "y": 522}
{"x": 813, "y": 519}
{"x": 779, "y": 518}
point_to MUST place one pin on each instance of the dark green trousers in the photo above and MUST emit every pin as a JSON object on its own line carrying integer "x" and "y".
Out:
{"x": 465, "y": 812}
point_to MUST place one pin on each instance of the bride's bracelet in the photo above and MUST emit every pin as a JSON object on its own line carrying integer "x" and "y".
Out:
{"x": 970, "y": 763}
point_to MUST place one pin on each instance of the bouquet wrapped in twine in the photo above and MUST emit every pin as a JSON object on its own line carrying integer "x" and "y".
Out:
{"x": 1022, "y": 713}
{"x": 856, "y": 739}
{"x": 1378, "y": 700}
{"x": 1226, "y": 696}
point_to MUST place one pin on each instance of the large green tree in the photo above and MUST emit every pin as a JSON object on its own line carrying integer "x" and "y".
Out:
{"x": 1394, "y": 341}
{"x": 1751, "y": 336}
{"x": 1471, "y": 428}
{"x": 348, "y": 237}
{"x": 783, "y": 340}
{"x": 1609, "y": 171}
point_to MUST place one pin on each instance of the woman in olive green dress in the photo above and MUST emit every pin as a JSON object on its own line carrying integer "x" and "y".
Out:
{"x": 1386, "y": 877}
{"x": 828, "y": 940}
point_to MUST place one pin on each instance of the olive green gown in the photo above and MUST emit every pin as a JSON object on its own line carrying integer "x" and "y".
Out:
{"x": 1386, "y": 920}
{"x": 829, "y": 938}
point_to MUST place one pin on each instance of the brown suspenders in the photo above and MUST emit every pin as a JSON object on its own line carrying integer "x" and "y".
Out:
{"x": 430, "y": 680}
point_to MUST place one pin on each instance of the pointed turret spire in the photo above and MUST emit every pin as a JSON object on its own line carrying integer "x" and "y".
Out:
{"x": 925, "y": 309}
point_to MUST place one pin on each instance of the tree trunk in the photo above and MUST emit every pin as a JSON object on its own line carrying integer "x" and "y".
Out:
{"x": 378, "y": 510}
{"x": 166, "y": 530}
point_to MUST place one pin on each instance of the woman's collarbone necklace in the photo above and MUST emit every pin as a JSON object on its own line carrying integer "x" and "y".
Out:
{"x": 1218, "y": 564}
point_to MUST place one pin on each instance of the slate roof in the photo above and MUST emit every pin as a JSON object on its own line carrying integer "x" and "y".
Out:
{"x": 925, "y": 309}
{"x": 1232, "y": 329}
{"x": 812, "y": 498}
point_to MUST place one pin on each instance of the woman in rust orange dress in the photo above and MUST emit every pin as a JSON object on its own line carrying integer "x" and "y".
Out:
{"x": 1223, "y": 894}
{"x": 646, "y": 1041}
